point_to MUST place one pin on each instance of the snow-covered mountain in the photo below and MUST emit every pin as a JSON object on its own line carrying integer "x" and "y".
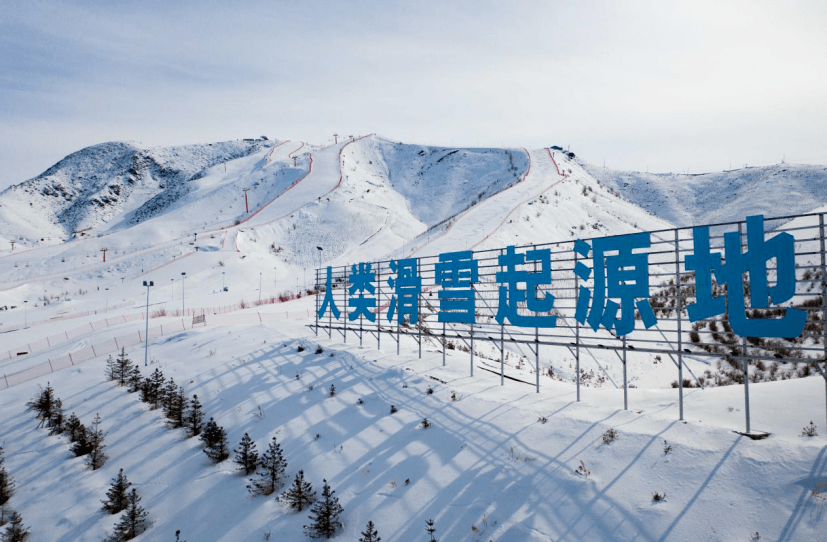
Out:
{"x": 722, "y": 196}
{"x": 493, "y": 463}
{"x": 110, "y": 182}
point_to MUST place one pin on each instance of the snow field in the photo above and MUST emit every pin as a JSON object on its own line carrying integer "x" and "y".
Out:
{"x": 486, "y": 455}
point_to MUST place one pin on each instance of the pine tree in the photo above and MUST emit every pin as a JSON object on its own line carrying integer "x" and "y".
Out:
{"x": 74, "y": 428}
{"x": 370, "y": 534}
{"x": 111, "y": 368}
{"x": 43, "y": 404}
{"x": 169, "y": 395}
{"x": 147, "y": 392}
{"x": 157, "y": 382}
{"x": 134, "y": 379}
{"x": 246, "y": 455}
{"x": 58, "y": 421}
{"x": 325, "y": 515}
{"x": 272, "y": 465}
{"x": 116, "y": 497}
{"x": 209, "y": 436}
{"x": 6, "y": 482}
{"x": 219, "y": 451}
{"x": 430, "y": 529}
{"x": 123, "y": 368}
{"x": 82, "y": 445}
{"x": 95, "y": 436}
{"x": 332, "y": 390}
{"x": 179, "y": 407}
{"x": 133, "y": 520}
{"x": 195, "y": 418}
{"x": 300, "y": 494}
{"x": 16, "y": 532}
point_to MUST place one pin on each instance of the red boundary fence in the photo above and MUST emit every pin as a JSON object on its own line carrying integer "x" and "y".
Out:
{"x": 129, "y": 340}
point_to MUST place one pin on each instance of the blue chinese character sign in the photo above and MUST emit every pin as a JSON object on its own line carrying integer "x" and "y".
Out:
{"x": 361, "y": 281}
{"x": 730, "y": 272}
{"x": 623, "y": 276}
{"x": 456, "y": 272}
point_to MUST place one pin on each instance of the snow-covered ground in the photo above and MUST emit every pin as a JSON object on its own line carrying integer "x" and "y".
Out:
{"x": 488, "y": 468}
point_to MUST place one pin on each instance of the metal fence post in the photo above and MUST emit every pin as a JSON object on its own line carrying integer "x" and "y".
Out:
{"x": 680, "y": 317}
{"x": 576, "y": 332}
{"x": 419, "y": 306}
{"x": 744, "y": 344}
{"x": 344, "y": 324}
{"x": 823, "y": 299}
{"x": 625, "y": 387}
{"x": 537, "y": 357}
{"x": 378, "y": 305}
{"x": 502, "y": 355}
{"x": 472, "y": 349}
{"x": 444, "y": 344}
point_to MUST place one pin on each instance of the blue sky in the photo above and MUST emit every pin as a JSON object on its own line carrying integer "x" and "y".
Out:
{"x": 658, "y": 85}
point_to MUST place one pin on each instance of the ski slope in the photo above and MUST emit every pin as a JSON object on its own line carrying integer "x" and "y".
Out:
{"x": 488, "y": 468}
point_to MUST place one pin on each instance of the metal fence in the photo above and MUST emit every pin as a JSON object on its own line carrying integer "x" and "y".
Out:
{"x": 672, "y": 288}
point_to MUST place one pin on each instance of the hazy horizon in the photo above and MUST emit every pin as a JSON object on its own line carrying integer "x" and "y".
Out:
{"x": 658, "y": 86}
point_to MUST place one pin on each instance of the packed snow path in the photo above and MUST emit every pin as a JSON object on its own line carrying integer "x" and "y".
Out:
{"x": 479, "y": 222}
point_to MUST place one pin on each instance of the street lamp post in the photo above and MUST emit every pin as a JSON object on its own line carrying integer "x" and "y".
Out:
{"x": 172, "y": 289}
{"x": 107, "y": 300}
{"x": 25, "y": 318}
{"x": 320, "y": 267}
{"x": 222, "y": 281}
{"x": 183, "y": 291}
{"x": 146, "y": 332}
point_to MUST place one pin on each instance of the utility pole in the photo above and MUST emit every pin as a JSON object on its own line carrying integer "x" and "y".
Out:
{"x": 294, "y": 161}
{"x": 104, "y": 249}
{"x": 25, "y": 317}
{"x": 183, "y": 291}
{"x": 335, "y": 139}
{"x": 107, "y": 300}
{"x": 320, "y": 265}
{"x": 222, "y": 281}
{"x": 12, "y": 246}
{"x": 246, "y": 204}
{"x": 146, "y": 331}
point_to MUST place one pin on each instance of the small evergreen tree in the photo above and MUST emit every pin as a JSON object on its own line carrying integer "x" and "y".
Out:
{"x": 123, "y": 368}
{"x": 209, "y": 435}
{"x": 169, "y": 395}
{"x": 157, "y": 382}
{"x": 134, "y": 379}
{"x": 430, "y": 529}
{"x": 325, "y": 515}
{"x": 246, "y": 455}
{"x": 179, "y": 406}
{"x": 6, "y": 482}
{"x": 82, "y": 445}
{"x": 195, "y": 418}
{"x": 44, "y": 404}
{"x": 219, "y": 451}
{"x": 332, "y": 390}
{"x": 300, "y": 494}
{"x": 271, "y": 468}
{"x": 16, "y": 532}
{"x": 370, "y": 534}
{"x": 58, "y": 421}
{"x": 118, "y": 494}
{"x": 111, "y": 368}
{"x": 74, "y": 428}
{"x": 147, "y": 392}
{"x": 96, "y": 458}
{"x": 133, "y": 520}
